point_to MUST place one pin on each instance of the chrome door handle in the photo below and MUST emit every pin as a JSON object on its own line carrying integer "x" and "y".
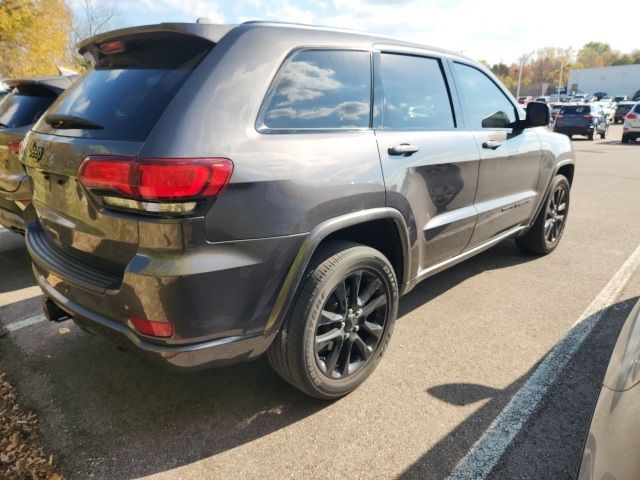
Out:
{"x": 491, "y": 144}
{"x": 403, "y": 149}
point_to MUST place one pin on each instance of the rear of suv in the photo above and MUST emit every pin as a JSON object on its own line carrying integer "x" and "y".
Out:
{"x": 587, "y": 120}
{"x": 209, "y": 193}
{"x": 631, "y": 127}
{"x": 19, "y": 110}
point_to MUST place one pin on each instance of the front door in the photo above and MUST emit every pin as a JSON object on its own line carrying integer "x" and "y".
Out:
{"x": 510, "y": 158}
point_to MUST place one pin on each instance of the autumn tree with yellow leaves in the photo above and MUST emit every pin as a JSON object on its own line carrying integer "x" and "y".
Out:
{"x": 34, "y": 37}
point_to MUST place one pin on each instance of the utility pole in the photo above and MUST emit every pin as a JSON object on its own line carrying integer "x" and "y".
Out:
{"x": 560, "y": 79}
{"x": 520, "y": 77}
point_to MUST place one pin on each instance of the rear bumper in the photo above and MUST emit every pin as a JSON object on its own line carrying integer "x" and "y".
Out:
{"x": 218, "y": 352}
{"x": 10, "y": 215}
{"x": 218, "y": 297}
{"x": 584, "y": 130}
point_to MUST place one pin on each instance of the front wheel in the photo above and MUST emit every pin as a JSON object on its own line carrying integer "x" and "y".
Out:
{"x": 340, "y": 324}
{"x": 545, "y": 233}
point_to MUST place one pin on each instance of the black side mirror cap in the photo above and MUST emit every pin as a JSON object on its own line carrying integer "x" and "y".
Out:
{"x": 538, "y": 114}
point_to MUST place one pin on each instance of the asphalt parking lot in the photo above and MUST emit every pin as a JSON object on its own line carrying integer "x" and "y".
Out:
{"x": 465, "y": 343}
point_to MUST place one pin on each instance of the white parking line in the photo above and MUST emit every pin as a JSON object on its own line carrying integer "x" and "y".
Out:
{"x": 486, "y": 452}
{"x": 27, "y": 322}
{"x": 7, "y": 298}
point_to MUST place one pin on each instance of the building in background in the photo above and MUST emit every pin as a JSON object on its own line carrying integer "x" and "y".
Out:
{"x": 618, "y": 80}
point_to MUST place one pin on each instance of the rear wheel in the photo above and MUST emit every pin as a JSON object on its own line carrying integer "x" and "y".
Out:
{"x": 590, "y": 136}
{"x": 603, "y": 135}
{"x": 340, "y": 323}
{"x": 545, "y": 233}
{"x": 625, "y": 139}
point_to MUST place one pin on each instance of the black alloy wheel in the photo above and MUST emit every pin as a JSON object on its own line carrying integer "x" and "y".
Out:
{"x": 556, "y": 214}
{"x": 351, "y": 324}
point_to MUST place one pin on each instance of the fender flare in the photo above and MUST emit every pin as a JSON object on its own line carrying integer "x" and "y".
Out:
{"x": 296, "y": 272}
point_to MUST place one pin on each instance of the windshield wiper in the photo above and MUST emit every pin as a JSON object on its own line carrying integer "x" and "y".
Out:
{"x": 70, "y": 122}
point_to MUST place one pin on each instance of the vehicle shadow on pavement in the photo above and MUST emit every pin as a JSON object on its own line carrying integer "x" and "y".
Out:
{"x": 106, "y": 414}
{"x": 504, "y": 255}
{"x": 16, "y": 264}
{"x": 550, "y": 443}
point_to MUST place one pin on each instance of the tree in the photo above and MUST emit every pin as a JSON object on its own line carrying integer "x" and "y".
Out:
{"x": 92, "y": 17}
{"x": 33, "y": 37}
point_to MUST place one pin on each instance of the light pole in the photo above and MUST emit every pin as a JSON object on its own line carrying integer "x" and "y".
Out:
{"x": 520, "y": 77}
{"x": 560, "y": 79}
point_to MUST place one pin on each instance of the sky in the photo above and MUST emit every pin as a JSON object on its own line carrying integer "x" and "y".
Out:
{"x": 491, "y": 30}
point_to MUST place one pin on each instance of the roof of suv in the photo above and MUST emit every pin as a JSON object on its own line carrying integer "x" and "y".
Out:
{"x": 215, "y": 32}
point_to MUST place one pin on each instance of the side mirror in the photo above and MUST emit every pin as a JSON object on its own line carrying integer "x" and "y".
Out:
{"x": 537, "y": 114}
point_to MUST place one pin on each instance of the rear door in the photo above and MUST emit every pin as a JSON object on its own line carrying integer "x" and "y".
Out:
{"x": 430, "y": 165}
{"x": 509, "y": 158}
{"x": 110, "y": 111}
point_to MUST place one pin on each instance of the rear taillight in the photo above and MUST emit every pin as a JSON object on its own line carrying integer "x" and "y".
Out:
{"x": 631, "y": 116}
{"x": 152, "y": 328}
{"x": 589, "y": 117}
{"x": 154, "y": 183}
{"x": 559, "y": 117}
{"x": 14, "y": 146}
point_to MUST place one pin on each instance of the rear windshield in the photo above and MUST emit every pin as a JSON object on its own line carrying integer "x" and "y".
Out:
{"x": 625, "y": 107}
{"x": 22, "y": 109}
{"x": 576, "y": 110}
{"x": 127, "y": 91}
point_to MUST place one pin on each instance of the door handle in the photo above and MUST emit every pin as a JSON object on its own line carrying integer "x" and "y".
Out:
{"x": 491, "y": 144}
{"x": 403, "y": 149}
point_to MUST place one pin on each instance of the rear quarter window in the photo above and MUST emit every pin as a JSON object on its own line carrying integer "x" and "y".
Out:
{"x": 319, "y": 90}
{"x": 127, "y": 92}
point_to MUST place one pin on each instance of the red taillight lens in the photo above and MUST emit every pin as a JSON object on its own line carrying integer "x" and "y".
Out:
{"x": 559, "y": 117}
{"x": 632, "y": 116}
{"x": 589, "y": 117}
{"x": 14, "y": 146}
{"x": 115, "y": 46}
{"x": 152, "y": 328}
{"x": 154, "y": 179}
{"x": 112, "y": 174}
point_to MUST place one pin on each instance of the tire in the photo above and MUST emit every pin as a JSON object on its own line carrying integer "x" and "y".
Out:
{"x": 625, "y": 139}
{"x": 603, "y": 135}
{"x": 537, "y": 239}
{"x": 590, "y": 136}
{"x": 318, "y": 312}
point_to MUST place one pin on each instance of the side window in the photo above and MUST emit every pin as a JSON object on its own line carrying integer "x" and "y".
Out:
{"x": 320, "y": 89}
{"x": 415, "y": 94}
{"x": 483, "y": 103}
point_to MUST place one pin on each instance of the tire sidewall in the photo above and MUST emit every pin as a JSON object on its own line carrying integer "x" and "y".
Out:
{"x": 366, "y": 258}
{"x": 558, "y": 180}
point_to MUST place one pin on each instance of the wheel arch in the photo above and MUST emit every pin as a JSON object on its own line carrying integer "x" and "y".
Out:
{"x": 381, "y": 228}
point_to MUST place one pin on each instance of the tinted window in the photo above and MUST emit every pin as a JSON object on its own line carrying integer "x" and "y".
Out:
{"x": 483, "y": 103}
{"x": 127, "y": 92}
{"x": 321, "y": 89}
{"x": 419, "y": 101}
{"x": 19, "y": 110}
{"x": 575, "y": 110}
{"x": 637, "y": 109}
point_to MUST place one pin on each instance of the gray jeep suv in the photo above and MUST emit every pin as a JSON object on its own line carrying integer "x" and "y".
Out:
{"x": 209, "y": 193}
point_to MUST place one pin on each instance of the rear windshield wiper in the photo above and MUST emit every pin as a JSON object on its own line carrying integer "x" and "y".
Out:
{"x": 70, "y": 122}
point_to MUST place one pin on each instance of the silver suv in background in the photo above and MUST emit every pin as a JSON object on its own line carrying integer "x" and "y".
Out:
{"x": 209, "y": 193}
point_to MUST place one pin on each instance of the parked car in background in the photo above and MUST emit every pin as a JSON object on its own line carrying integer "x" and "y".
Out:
{"x": 636, "y": 96}
{"x": 587, "y": 120}
{"x": 620, "y": 98}
{"x": 209, "y": 193}
{"x": 631, "y": 127}
{"x": 19, "y": 110}
{"x": 610, "y": 451}
{"x": 621, "y": 111}
{"x": 609, "y": 109}
{"x": 581, "y": 98}
{"x": 600, "y": 95}
{"x": 542, "y": 99}
{"x": 524, "y": 100}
